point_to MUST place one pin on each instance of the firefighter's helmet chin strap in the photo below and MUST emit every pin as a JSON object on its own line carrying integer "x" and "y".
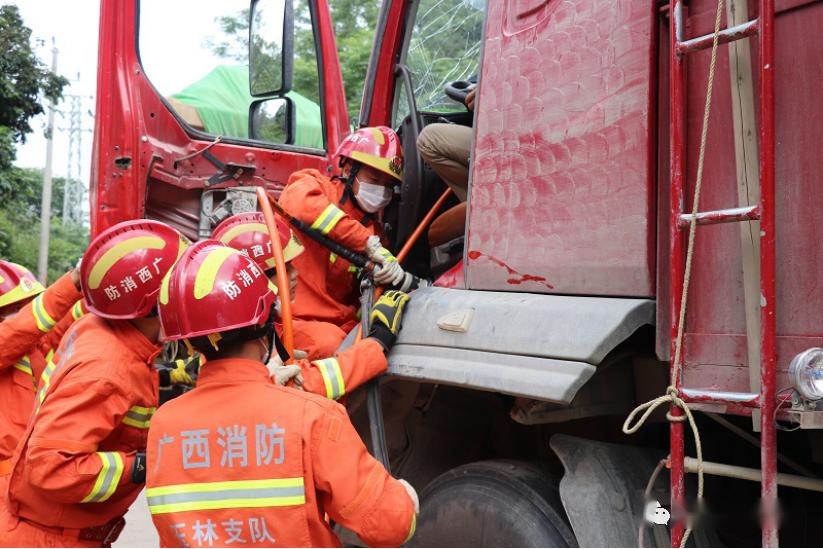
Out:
{"x": 265, "y": 330}
{"x": 348, "y": 182}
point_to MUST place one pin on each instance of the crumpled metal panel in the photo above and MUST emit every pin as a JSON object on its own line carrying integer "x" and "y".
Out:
{"x": 562, "y": 186}
{"x": 583, "y": 329}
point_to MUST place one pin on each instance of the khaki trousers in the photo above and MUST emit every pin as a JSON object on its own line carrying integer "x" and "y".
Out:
{"x": 446, "y": 148}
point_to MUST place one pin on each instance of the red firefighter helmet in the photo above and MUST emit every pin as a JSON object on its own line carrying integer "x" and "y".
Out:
{"x": 247, "y": 232}
{"x": 124, "y": 266}
{"x": 213, "y": 288}
{"x": 16, "y": 284}
{"x": 378, "y": 147}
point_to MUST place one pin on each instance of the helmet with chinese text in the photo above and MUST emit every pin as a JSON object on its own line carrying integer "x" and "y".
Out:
{"x": 378, "y": 147}
{"x": 212, "y": 289}
{"x": 122, "y": 270}
{"x": 247, "y": 232}
{"x": 17, "y": 284}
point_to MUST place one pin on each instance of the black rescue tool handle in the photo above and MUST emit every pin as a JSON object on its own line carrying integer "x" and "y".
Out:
{"x": 356, "y": 259}
{"x": 352, "y": 257}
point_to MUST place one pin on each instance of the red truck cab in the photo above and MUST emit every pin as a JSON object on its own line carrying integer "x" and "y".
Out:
{"x": 555, "y": 313}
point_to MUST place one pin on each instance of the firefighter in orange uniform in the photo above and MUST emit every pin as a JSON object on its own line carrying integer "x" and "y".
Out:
{"x": 81, "y": 461}
{"x": 29, "y": 329}
{"x": 343, "y": 208}
{"x": 240, "y": 460}
{"x": 331, "y": 376}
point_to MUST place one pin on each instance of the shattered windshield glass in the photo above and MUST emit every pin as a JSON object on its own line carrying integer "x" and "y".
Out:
{"x": 444, "y": 47}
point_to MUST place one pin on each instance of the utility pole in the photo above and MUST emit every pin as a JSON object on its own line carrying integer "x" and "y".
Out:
{"x": 45, "y": 206}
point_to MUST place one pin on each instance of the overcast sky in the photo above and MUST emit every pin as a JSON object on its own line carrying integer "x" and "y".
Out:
{"x": 172, "y": 51}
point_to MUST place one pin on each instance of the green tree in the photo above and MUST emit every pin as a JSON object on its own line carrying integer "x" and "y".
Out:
{"x": 20, "y": 195}
{"x": 24, "y": 82}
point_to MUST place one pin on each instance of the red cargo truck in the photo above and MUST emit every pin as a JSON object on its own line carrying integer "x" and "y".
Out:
{"x": 557, "y": 309}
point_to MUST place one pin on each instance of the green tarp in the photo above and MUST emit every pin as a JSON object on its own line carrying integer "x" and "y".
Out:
{"x": 222, "y": 101}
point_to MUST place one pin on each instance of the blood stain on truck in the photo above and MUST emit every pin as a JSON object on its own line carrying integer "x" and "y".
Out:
{"x": 518, "y": 277}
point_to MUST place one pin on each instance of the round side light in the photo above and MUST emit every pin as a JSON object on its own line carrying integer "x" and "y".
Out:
{"x": 806, "y": 371}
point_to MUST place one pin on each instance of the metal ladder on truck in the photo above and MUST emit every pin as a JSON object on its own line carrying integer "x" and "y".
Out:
{"x": 680, "y": 221}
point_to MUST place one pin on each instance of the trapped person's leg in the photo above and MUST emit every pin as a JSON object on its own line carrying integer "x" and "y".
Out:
{"x": 446, "y": 148}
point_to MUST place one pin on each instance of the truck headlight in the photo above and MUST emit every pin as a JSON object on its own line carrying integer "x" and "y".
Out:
{"x": 806, "y": 371}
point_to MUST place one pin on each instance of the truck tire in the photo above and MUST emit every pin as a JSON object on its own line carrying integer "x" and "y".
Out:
{"x": 493, "y": 504}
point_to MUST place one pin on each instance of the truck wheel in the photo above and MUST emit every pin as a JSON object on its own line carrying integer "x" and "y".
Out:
{"x": 493, "y": 504}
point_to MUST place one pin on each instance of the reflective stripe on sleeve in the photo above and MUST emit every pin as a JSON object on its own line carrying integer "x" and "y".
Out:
{"x": 107, "y": 479}
{"x": 327, "y": 220}
{"x": 44, "y": 321}
{"x": 412, "y": 529}
{"x": 45, "y": 379}
{"x": 24, "y": 365}
{"x": 238, "y": 494}
{"x": 332, "y": 377}
{"x": 77, "y": 310}
{"x": 139, "y": 417}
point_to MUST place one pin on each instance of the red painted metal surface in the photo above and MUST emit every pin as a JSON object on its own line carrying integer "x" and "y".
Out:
{"x": 676, "y": 255}
{"x": 137, "y": 139}
{"x": 384, "y": 58}
{"x": 562, "y": 183}
{"x": 768, "y": 292}
{"x": 766, "y": 211}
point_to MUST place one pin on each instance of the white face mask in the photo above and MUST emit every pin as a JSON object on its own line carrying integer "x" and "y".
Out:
{"x": 372, "y": 197}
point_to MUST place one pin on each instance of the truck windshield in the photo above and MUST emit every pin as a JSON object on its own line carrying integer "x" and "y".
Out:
{"x": 444, "y": 46}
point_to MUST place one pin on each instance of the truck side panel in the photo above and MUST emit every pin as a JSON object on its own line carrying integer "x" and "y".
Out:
{"x": 562, "y": 192}
{"x": 715, "y": 344}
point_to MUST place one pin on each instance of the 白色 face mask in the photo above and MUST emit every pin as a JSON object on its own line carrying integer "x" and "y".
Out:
{"x": 372, "y": 197}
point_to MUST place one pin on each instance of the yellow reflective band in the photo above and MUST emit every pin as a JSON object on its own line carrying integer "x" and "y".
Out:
{"x": 377, "y": 162}
{"x": 207, "y": 274}
{"x": 139, "y": 417}
{"x": 116, "y": 253}
{"x": 378, "y": 136}
{"x": 164, "y": 287}
{"x": 332, "y": 257}
{"x": 41, "y": 316}
{"x": 49, "y": 355}
{"x": 107, "y": 479}
{"x": 2, "y": 279}
{"x": 412, "y": 529}
{"x": 226, "y": 495}
{"x": 328, "y": 219}
{"x": 234, "y": 232}
{"x": 332, "y": 377}
{"x": 24, "y": 365}
{"x": 77, "y": 310}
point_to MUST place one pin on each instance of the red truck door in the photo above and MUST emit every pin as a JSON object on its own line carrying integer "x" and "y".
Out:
{"x": 180, "y": 136}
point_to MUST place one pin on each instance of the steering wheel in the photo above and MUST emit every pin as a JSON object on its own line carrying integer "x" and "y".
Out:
{"x": 459, "y": 89}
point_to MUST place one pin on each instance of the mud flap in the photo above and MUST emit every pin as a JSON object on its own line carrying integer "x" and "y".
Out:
{"x": 602, "y": 490}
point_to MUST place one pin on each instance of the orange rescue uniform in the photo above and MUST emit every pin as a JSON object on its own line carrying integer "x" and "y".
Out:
{"x": 25, "y": 340}
{"x": 240, "y": 460}
{"x": 336, "y": 376}
{"x": 71, "y": 475}
{"x": 326, "y": 301}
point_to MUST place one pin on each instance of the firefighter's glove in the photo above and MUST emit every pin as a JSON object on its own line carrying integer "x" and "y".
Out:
{"x": 283, "y": 374}
{"x": 386, "y": 316}
{"x": 411, "y": 283}
{"x": 412, "y": 494}
{"x": 180, "y": 372}
{"x": 388, "y": 271}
